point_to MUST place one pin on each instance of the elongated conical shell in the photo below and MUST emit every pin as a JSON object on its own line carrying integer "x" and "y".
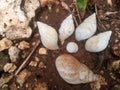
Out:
{"x": 98, "y": 42}
{"x": 87, "y": 28}
{"x": 72, "y": 71}
{"x": 66, "y": 29}
{"x": 49, "y": 36}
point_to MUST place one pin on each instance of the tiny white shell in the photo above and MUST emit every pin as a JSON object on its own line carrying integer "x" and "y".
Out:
{"x": 49, "y": 36}
{"x": 66, "y": 29}
{"x": 98, "y": 42}
{"x": 72, "y": 47}
{"x": 87, "y": 28}
{"x": 72, "y": 71}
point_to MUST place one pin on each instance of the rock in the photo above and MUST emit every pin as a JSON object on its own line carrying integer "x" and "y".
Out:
{"x": 13, "y": 68}
{"x": 30, "y": 7}
{"x": 116, "y": 65}
{"x": 14, "y": 53}
{"x": 23, "y": 76}
{"x": 34, "y": 62}
{"x": 18, "y": 32}
{"x": 42, "y": 51}
{"x": 7, "y": 67}
{"x": 41, "y": 65}
{"x": 5, "y": 79}
{"x": 5, "y": 44}
{"x": 23, "y": 45}
{"x": 14, "y": 21}
{"x": 11, "y": 12}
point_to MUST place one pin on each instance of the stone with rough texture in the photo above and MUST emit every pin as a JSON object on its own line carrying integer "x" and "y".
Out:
{"x": 5, "y": 44}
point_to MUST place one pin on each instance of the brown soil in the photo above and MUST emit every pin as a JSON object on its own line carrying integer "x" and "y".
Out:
{"x": 95, "y": 61}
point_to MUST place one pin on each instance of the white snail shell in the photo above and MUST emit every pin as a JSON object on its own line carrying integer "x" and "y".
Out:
{"x": 72, "y": 47}
{"x": 72, "y": 71}
{"x": 87, "y": 28}
{"x": 66, "y": 29}
{"x": 49, "y": 36}
{"x": 98, "y": 42}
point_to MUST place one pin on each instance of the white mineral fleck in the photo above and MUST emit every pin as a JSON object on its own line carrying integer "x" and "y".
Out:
{"x": 30, "y": 7}
{"x": 13, "y": 68}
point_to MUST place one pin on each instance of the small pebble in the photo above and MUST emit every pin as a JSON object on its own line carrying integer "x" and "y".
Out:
{"x": 43, "y": 51}
{"x": 7, "y": 67}
{"x": 33, "y": 64}
{"x": 12, "y": 69}
{"x": 23, "y": 76}
{"x": 23, "y": 45}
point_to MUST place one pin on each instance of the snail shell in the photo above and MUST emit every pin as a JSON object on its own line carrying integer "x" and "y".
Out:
{"x": 87, "y": 28}
{"x": 72, "y": 47}
{"x": 98, "y": 42}
{"x": 66, "y": 29}
{"x": 49, "y": 36}
{"x": 72, "y": 71}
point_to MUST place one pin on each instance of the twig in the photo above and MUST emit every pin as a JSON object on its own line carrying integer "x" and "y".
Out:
{"x": 78, "y": 14}
{"x": 99, "y": 18}
{"x": 26, "y": 60}
{"x": 67, "y": 8}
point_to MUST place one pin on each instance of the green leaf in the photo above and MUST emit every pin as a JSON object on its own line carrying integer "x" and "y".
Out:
{"x": 82, "y": 4}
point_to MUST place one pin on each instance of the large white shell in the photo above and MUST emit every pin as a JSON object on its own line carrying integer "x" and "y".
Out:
{"x": 72, "y": 71}
{"x": 66, "y": 29}
{"x": 49, "y": 36}
{"x": 98, "y": 42}
{"x": 72, "y": 47}
{"x": 86, "y": 29}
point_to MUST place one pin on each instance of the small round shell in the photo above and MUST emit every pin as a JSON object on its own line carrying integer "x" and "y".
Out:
{"x": 72, "y": 47}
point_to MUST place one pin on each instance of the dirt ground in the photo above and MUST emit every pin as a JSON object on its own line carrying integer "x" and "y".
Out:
{"x": 45, "y": 76}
